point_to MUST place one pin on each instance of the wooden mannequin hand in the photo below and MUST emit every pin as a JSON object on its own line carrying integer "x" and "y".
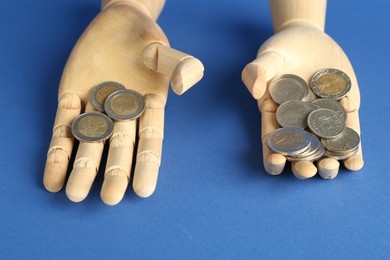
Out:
{"x": 299, "y": 47}
{"x": 122, "y": 44}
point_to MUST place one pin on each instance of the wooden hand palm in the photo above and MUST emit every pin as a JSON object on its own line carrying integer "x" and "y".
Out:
{"x": 122, "y": 44}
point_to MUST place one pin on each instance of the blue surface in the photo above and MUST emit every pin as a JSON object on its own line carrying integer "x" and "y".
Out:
{"x": 213, "y": 199}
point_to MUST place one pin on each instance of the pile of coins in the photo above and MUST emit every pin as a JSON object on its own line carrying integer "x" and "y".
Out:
{"x": 312, "y": 120}
{"x": 117, "y": 102}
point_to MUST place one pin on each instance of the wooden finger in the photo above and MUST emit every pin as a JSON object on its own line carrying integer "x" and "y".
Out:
{"x": 60, "y": 150}
{"x": 257, "y": 73}
{"x": 184, "y": 70}
{"x": 119, "y": 161}
{"x": 303, "y": 169}
{"x": 355, "y": 162}
{"x": 84, "y": 171}
{"x": 273, "y": 162}
{"x": 151, "y": 134}
{"x": 328, "y": 168}
{"x": 85, "y": 167}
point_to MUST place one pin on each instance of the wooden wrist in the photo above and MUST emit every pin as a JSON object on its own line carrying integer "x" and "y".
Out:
{"x": 287, "y": 12}
{"x": 152, "y": 8}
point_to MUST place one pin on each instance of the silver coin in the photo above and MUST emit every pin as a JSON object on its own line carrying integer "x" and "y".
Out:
{"x": 124, "y": 105}
{"x": 339, "y": 156}
{"x": 92, "y": 127}
{"x": 294, "y": 113}
{"x": 330, "y": 83}
{"x": 347, "y": 142}
{"x": 325, "y": 123}
{"x": 289, "y": 141}
{"x": 288, "y": 87}
{"x": 313, "y": 157}
{"x": 314, "y": 146}
{"x": 99, "y": 93}
{"x": 318, "y": 154}
{"x": 332, "y": 105}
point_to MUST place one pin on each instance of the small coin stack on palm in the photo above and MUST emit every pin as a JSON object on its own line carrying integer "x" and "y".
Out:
{"x": 117, "y": 102}
{"x": 300, "y": 109}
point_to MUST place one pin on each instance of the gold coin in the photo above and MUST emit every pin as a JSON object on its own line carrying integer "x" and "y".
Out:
{"x": 124, "y": 105}
{"x": 331, "y": 83}
{"x": 92, "y": 127}
{"x": 100, "y": 92}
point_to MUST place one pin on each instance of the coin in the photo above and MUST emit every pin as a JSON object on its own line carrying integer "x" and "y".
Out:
{"x": 332, "y": 105}
{"x": 294, "y": 113}
{"x": 289, "y": 141}
{"x": 313, "y": 157}
{"x": 124, "y": 105}
{"x": 325, "y": 123}
{"x": 318, "y": 154}
{"x": 347, "y": 142}
{"x": 315, "y": 151}
{"x": 314, "y": 145}
{"x": 99, "y": 93}
{"x": 340, "y": 156}
{"x": 288, "y": 87}
{"x": 92, "y": 127}
{"x": 330, "y": 83}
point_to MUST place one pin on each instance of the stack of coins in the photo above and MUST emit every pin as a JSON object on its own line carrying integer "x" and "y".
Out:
{"x": 295, "y": 144}
{"x": 117, "y": 102}
{"x": 312, "y": 120}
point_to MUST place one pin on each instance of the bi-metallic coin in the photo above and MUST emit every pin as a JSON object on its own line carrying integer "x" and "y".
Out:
{"x": 330, "y": 83}
{"x": 124, "y": 105}
{"x": 288, "y": 87}
{"x": 325, "y": 123}
{"x": 289, "y": 141}
{"x": 99, "y": 93}
{"x": 92, "y": 127}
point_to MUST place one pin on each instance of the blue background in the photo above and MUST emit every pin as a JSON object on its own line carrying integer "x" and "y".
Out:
{"x": 213, "y": 198}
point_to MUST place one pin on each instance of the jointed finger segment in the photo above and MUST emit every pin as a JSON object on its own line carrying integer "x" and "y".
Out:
{"x": 328, "y": 168}
{"x": 183, "y": 69}
{"x": 151, "y": 134}
{"x": 119, "y": 161}
{"x": 274, "y": 163}
{"x": 356, "y": 162}
{"x": 69, "y": 107}
{"x": 256, "y": 74}
{"x": 122, "y": 146}
{"x": 148, "y": 162}
{"x": 303, "y": 169}
{"x": 84, "y": 171}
